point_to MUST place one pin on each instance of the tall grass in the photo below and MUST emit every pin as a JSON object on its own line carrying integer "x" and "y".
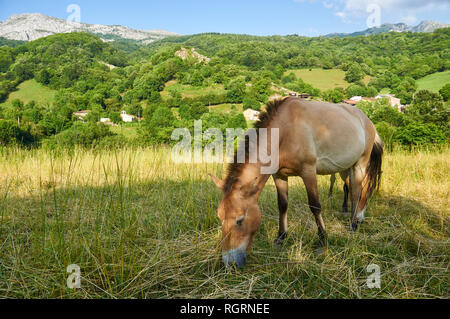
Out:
{"x": 140, "y": 226}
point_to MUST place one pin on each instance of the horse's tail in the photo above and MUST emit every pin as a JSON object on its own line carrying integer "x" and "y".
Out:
{"x": 373, "y": 170}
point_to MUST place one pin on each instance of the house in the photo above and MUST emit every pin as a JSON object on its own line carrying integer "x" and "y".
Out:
{"x": 81, "y": 114}
{"x": 127, "y": 118}
{"x": 299, "y": 95}
{"x": 251, "y": 115}
{"x": 393, "y": 101}
{"x": 350, "y": 101}
{"x": 107, "y": 121}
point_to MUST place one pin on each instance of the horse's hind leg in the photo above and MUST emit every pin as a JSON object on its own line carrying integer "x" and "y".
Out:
{"x": 310, "y": 179}
{"x": 332, "y": 182}
{"x": 345, "y": 203}
{"x": 345, "y": 178}
{"x": 281, "y": 182}
{"x": 357, "y": 175}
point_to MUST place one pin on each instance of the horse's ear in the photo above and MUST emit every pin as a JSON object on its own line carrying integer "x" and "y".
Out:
{"x": 219, "y": 183}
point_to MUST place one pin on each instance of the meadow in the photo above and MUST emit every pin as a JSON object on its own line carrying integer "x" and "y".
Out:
{"x": 31, "y": 90}
{"x": 434, "y": 82}
{"x": 324, "y": 79}
{"x": 140, "y": 226}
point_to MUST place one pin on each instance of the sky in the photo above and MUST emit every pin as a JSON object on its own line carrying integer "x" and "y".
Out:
{"x": 262, "y": 17}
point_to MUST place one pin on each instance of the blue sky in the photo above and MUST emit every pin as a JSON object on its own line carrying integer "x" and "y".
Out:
{"x": 262, "y": 17}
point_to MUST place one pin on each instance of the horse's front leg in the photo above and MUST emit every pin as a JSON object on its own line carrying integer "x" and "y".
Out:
{"x": 281, "y": 182}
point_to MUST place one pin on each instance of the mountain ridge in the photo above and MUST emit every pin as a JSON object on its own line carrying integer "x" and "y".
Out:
{"x": 32, "y": 26}
{"x": 424, "y": 26}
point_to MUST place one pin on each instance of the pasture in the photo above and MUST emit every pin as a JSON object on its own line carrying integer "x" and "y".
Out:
{"x": 31, "y": 90}
{"x": 324, "y": 79}
{"x": 433, "y": 82}
{"x": 140, "y": 226}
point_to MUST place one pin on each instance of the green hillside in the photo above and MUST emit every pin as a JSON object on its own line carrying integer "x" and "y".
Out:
{"x": 32, "y": 91}
{"x": 434, "y": 82}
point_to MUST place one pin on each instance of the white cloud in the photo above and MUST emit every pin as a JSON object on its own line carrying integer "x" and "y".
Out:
{"x": 400, "y": 10}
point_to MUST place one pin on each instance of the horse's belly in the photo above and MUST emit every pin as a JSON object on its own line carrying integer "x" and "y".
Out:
{"x": 327, "y": 165}
{"x": 340, "y": 157}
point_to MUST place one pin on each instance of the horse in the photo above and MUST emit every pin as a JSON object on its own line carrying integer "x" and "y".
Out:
{"x": 314, "y": 138}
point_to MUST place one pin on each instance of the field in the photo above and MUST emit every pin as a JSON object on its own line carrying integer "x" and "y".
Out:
{"x": 324, "y": 79}
{"x": 434, "y": 82}
{"x": 32, "y": 91}
{"x": 140, "y": 226}
{"x": 188, "y": 91}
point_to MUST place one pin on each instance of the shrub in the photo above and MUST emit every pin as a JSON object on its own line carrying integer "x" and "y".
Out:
{"x": 420, "y": 134}
{"x": 82, "y": 134}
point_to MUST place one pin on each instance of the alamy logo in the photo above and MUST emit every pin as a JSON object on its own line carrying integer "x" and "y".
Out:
{"x": 374, "y": 19}
{"x": 74, "y": 279}
{"x": 189, "y": 150}
{"x": 374, "y": 279}
{"x": 75, "y": 11}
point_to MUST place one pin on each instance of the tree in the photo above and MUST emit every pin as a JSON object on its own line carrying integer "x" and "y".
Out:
{"x": 334, "y": 95}
{"x": 236, "y": 91}
{"x": 420, "y": 134}
{"x": 354, "y": 73}
{"x": 251, "y": 103}
{"x": 158, "y": 129}
{"x": 445, "y": 92}
{"x": 237, "y": 121}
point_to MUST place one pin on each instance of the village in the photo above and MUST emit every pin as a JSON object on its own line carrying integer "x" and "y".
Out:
{"x": 252, "y": 115}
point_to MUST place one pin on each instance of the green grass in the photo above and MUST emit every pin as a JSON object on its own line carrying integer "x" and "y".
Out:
{"x": 324, "y": 79}
{"x": 128, "y": 131}
{"x": 433, "y": 82}
{"x": 31, "y": 90}
{"x": 226, "y": 108}
{"x": 140, "y": 226}
{"x": 190, "y": 91}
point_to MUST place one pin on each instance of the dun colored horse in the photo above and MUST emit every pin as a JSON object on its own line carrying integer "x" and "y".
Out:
{"x": 314, "y": 138}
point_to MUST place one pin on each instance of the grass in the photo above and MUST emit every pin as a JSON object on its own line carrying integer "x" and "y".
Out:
{"x": 324, "y": 79}
{"x": 127, "y": 131}
{"x": 189, "y": 91}
{"x": 433, "y": 82}
{"x": 226, "y": 108}
{"x": 31, "y": 90}
{"x": 140, "y": 226}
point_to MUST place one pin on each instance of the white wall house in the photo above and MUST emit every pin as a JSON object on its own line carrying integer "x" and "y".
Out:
{"x": 251, "y": 115}
{"x": 127, "y": 118}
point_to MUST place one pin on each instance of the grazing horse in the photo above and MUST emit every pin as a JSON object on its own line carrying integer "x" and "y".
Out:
{"x": 314, "y": 138}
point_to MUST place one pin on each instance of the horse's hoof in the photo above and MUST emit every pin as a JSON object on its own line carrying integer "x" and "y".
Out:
{"x": 321, "y": 251}
{"x": 280, "y": 240}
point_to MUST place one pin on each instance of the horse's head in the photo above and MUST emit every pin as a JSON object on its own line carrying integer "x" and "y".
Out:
{"x": 240, "y": 216}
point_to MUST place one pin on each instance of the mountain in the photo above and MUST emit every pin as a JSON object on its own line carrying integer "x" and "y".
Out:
{"x": 32, "y": 26}
{"x": 424, "y": 26}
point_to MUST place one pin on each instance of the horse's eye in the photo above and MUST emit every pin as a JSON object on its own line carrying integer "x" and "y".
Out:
{"x": 239, "y": 220}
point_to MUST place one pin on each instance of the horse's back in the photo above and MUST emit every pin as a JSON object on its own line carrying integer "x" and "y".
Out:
{"x": 332, "y": 134}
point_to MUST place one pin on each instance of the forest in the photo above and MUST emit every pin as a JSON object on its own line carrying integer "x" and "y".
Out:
{"x": 242, "y": 71}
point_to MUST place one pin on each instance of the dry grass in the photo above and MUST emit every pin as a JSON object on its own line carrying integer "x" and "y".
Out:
{"x": 140, "y": 226}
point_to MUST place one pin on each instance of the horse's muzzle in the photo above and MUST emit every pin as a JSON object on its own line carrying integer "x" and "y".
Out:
{"x": 236, "y": 257}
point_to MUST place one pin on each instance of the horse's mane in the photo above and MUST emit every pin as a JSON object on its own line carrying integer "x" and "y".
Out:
{"x": 235, "y": 169}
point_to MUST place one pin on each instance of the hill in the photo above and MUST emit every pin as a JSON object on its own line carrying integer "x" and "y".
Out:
{"x": 33, "y": 26}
